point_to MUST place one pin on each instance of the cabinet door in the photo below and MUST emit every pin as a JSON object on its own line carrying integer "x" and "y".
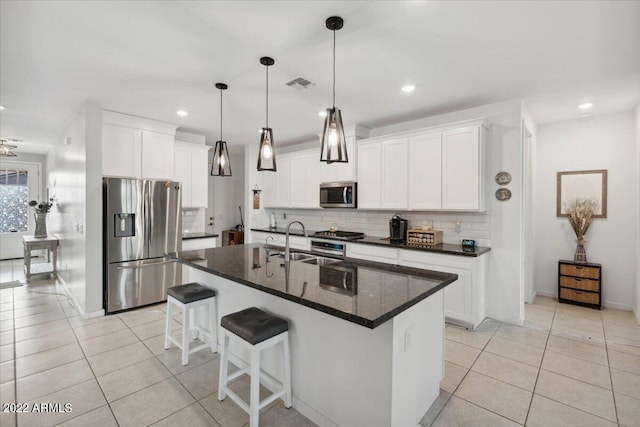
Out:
{"x": 312, "y": 180}
{"x": 461, "y": 169}
{"x": 457, "y": 297}
{"x": 331, "y": 172}
{"x": 394, "y": 174}
{"x": 121, "y": 151}
{"x": 157, "y": 155}
{"x": 297, "y": 185}
{"x": 199, "y": 177}
{"x": 283, "y": 181}
{"x": 182, "y": 173}
{"x": 425, "y": 172}
{"x": 369, "y": 176}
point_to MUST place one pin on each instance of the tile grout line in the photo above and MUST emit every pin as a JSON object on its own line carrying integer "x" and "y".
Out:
{"x": 613, "y": 394}
{"x": 535, "y": 385}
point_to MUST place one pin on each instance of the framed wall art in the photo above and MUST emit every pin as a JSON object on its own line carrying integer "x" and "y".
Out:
{"x": 591, "y": 184}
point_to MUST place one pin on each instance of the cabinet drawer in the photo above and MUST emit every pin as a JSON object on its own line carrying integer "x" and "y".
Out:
{"x": 579, "y": 271}
{"x": 579, "y": 283}
{"x": 580, "y": 296}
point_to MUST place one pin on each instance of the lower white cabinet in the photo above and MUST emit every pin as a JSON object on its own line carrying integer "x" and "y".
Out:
{"x": 196, "y": 244}
{"x": 464, "y": 300}
{"x": 295, "y": 242}
{"x": 372, "y": 253}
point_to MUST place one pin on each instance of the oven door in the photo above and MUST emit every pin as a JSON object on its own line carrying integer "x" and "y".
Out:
{"x": 338, "y": 194}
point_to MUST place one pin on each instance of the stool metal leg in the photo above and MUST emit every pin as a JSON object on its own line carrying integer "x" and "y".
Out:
{"x": 167, "y": 330}
{"x": 213, "y": 326}
{"x": 287, "y": 371}
{"x": 185, "y": 334}
{"x": 224, "y": 367}
{"x": 254, "y": 404}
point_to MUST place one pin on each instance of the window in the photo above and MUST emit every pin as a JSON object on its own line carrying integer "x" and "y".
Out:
{"x": 14, "y": 199}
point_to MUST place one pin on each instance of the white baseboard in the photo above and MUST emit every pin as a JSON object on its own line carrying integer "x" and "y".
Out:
{"x": 76, "y": 303}
{"x": 637, "y": 313}
{"x": 617, "y": 306}
{"x": 550, "y": 294}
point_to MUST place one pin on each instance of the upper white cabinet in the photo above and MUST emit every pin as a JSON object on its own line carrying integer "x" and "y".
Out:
{"x": 191, "y": 168}
{"x": 332, "y": 172}
{"x": 157, "y": 155}
{"x": 461, "y": 169}
{"x": 369, "y": 177}
{"x": 134, "y": 147}
{"x": 428, "y": 170}
{"x": 296, "y": 183}
{"x": 121, "y": 151}
{"x": 425, "y": 172}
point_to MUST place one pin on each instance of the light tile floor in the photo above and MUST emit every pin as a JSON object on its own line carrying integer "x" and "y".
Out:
{"x": 568, "y": 366}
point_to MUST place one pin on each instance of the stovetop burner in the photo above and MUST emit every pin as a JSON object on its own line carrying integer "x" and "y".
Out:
{"x": 339, "y": 235}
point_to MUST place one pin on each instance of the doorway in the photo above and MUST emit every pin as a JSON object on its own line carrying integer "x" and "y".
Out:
{"x": 20, "y": 182}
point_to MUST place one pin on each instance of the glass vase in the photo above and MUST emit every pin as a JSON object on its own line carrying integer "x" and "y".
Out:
{"x": 581, "y": 254}
{"x": 41, "y": 225}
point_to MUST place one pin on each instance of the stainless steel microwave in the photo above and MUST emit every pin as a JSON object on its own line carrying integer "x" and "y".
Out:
{"x": 338, "y": 194}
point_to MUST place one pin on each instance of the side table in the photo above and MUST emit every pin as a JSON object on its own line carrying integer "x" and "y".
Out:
{"x": 32, "y": 243}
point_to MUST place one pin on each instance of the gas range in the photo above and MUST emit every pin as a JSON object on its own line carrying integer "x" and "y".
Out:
{"x": 339, "y": 235}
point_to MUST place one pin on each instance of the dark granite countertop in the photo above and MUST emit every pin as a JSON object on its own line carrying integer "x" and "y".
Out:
{"x": 363, "y": 292}
{"x": 197, "y": 235}
{"x": 443, "y": 248}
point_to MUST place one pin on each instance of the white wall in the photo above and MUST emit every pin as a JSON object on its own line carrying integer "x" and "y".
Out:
{"x": 74, "y": 179}
{"x": 600, "y": 142}
{"x": 637, "y": 302}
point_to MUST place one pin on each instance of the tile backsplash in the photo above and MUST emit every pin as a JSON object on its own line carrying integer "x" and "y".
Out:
{"x": 193, "y": 220}
{"x": 375, "y": 223}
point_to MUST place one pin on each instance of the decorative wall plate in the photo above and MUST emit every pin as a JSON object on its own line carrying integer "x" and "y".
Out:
{"x": 503, "y": 178}
{"x": 503, "y": 194}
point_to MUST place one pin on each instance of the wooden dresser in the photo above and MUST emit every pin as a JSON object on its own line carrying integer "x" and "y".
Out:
{"x": 580, "y": 283}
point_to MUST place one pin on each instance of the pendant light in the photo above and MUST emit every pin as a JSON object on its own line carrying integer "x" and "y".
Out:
{"x": 267, "y": 154}
{"x": 334, "y": 144}
{"x": 220, "y": 166}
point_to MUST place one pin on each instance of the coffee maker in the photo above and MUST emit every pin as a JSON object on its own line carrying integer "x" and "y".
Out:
{"x": 397, "y": 229}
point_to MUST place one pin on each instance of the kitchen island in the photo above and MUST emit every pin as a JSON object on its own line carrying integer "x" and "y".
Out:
{"x": 366, "y": 338}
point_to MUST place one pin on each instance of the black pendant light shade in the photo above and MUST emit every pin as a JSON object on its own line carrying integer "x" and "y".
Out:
{"x": 220, "y": 165}
{"x": 267, "y": 153}
{"x": 334, "y": 143}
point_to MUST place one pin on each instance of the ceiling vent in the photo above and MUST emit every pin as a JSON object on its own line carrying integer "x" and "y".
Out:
{"x": 300, "y": 84}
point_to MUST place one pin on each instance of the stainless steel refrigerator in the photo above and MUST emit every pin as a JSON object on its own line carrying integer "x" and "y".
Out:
{"x": 141, "y": 224}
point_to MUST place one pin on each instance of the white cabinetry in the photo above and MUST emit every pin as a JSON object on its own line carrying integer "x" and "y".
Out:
{"x": 372, "y": 253}
{"x": 134, "y": 147}
{"x": 121, "y": 151}
{"x": 191, "y": 169}
{"x": 157, "y": 155}
{"x": 464, "y": 300}
{"x": 461, "y": 169}
{"x": 296, "y": 184}
{"x": 333, "y": 172}
{"x": 369, "y": 177}
{"x": 425, "y": 172}
{"x": 295, "y": 242}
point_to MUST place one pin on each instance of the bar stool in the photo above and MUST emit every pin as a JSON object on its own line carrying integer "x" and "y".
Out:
{"x": 257, "y": 330}
{"x": 190, "y": 297}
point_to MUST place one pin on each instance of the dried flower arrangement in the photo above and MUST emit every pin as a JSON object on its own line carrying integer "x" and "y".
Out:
{"x": 42, "y": 207}
{"x": 581, "y": 212}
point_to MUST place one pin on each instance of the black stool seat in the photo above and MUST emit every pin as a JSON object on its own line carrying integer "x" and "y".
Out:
{"x": 254, "y": 325}
{"x": 190, "y": 292}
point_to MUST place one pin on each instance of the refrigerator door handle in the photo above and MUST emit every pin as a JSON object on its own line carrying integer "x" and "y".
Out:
{"x": 150, "y": 264}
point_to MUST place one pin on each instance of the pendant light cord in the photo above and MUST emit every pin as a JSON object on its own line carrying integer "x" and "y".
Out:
{"x": 267, "y": 67}
{"x": 334, "y": 67}
{"x": 220, "y": 114}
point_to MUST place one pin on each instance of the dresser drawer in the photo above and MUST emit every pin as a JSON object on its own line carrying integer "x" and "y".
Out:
{"x": 580, "y": 271}
{"x": 579, "y": 283}
{"x": 580, "y": 296}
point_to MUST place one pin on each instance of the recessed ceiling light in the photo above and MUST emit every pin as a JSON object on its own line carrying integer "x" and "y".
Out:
{"x": 408, "y": 88}
{"x": 585, "y": 106}
{"x": 182, "y": 113}
{"x": 2, "y": 107}
{"x": 322, "y": 113}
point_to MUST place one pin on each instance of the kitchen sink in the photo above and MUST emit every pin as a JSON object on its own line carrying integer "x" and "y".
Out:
{"x": 321, "y": 261}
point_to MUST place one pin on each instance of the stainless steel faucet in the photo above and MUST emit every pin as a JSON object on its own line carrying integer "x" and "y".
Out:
{"x": 286, "y": 243}
{"x": 266, "y": 246}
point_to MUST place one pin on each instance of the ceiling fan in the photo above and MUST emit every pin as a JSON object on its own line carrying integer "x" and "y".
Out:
{"x": 6, "y": 150}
